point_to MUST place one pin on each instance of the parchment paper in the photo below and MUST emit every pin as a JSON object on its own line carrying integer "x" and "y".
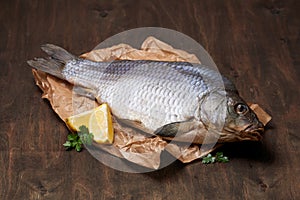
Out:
{"x": 128, "y": 144}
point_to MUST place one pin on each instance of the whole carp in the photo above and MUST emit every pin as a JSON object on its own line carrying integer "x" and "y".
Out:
{"x": 156, "y": 97}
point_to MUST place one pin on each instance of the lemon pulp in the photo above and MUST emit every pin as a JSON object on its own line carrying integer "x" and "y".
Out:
{"x": 97, "y": 120}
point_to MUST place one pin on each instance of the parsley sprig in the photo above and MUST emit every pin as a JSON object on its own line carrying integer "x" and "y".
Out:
{"x": 75, "y": 141}
{"x": 212, "y": 159}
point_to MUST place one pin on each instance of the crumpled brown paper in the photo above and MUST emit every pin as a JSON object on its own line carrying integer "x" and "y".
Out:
{"x": 128, "y": 144}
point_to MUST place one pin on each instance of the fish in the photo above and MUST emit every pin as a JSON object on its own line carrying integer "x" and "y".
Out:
{"x": 168, "y": 99}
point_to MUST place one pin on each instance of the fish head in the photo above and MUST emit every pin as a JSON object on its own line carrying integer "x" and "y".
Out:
{"x": 241, "y": 121}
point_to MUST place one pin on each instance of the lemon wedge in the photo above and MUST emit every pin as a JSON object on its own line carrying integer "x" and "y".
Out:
{"x": 97, "y": 120}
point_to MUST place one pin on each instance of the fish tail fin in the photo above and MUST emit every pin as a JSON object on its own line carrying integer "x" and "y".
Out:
{"x": 56, "y": 61}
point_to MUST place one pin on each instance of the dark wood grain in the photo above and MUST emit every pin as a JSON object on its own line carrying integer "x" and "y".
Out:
{"x": 255, "y": 43}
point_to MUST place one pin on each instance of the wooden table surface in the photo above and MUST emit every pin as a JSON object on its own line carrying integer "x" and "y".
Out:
{"x": 255, "y": 43}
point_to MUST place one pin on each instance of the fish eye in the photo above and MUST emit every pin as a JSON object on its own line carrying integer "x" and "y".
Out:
{"x": 241, "y": 108}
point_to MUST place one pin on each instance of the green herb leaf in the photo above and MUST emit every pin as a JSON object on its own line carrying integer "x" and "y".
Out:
{"x": 78, "y": 147}
{"x": 72, "y": 137}
{"x": 83, "y": 130}
{"x": 219, "y": 154}
{"x": 221, "y": 158}
{"x": 207, "y": 159}
{"x": 218, "y": 158}
{"x": 87, "y": 139}
{"x": 75, "y": 141}
{"x": 67, "y": 144}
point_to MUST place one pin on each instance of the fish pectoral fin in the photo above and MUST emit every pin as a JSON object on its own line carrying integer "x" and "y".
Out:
{"x": 87, "y": 92}
{"x": 137, "y": 125}
{"x": 176, "y": 128}
{"x": 191, "y": 131}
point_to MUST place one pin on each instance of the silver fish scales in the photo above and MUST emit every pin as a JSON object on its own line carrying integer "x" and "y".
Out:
{"x": 154, "y": 93}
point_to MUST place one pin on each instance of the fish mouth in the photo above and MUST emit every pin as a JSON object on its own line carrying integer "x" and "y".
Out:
{"x": 252, "y": 132}
{"x": 255, "y": 131}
